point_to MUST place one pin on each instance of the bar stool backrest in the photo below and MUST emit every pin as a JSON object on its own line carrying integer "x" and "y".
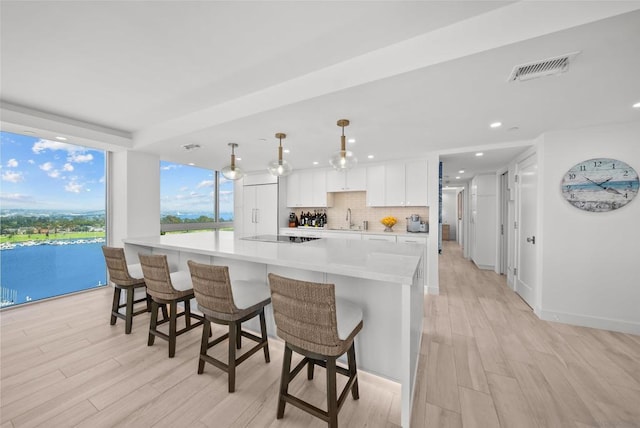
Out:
{"x": 212, "y": 287}
{"x": 305, "y": 314}
{"x": 117, "y": 266}
{"x": 157, "y": 276}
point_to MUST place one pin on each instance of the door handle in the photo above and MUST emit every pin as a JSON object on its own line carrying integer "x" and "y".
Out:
{"x": 532, "y": 240}
{"x": 257, "y": 215}
{"x": 253, "y": 215}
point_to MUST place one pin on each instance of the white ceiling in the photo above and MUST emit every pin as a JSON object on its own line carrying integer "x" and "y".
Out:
{"x": 413, "y": 77}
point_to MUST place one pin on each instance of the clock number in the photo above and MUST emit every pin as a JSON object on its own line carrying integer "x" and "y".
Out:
{"x": 597, "y": 164}
{"x": 572, "y": 176}
{"x": 626, "y": 196}
{"x": 613, "y": 166}
{"x": 626, "y": 173}
{"x": 572, "y": 196}
{"x": 583, "y": 168}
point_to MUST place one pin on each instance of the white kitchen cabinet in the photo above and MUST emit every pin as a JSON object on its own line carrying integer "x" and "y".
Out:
{"x": 397, "y": 184}
{"x": 352, "y": 180}
{"x": 260, "y": 215}
{"x": 307, "y": 188}
{"x": 416, "y": 183}
{"x": 394, "y": 182}
{"x": 421, "y": 240}
{"x": 372, "y": 237}
{"x": 375, "y": 186}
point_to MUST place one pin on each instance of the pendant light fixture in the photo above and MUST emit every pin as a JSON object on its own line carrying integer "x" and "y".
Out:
{"x": 232, "y": 172}
{"x": 343, "y": 159}
{"x": 280, "y": 167}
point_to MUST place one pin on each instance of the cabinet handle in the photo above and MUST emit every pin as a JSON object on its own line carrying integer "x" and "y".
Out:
{"x": 257, "y": 215}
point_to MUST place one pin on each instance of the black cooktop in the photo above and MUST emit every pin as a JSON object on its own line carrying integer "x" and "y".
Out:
{"x": 279, "y": 238}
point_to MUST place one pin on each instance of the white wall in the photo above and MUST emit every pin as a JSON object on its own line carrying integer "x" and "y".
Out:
{"x": 590, "y": 273}
{"x": 450, "y": 212}
{"x": 134, "y": 191}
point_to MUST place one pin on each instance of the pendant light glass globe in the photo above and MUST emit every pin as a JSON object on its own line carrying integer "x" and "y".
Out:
{"x": 232, "y": 172}
{"x": 343, "y": 158}
{"x": 280, "y": 167}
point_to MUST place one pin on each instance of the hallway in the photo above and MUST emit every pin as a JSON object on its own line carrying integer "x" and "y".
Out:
{"x": 488, "y": 361}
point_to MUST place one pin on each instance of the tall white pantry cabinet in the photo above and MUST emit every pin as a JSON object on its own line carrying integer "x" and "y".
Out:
{"x": 483, "y": 221}
{"x": 260, "y": 210}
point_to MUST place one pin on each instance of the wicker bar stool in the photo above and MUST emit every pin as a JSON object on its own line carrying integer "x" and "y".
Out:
{"x": 227, "y": 303}
{"x": 128, "y": 278}
{"x": 319, "y": 327}
{"x": 168, "y": 288}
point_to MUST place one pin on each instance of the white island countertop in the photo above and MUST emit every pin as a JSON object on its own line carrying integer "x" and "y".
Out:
{"x": 361, "y": 259}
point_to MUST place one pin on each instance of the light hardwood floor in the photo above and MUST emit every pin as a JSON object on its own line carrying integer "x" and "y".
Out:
{"x": 486, "y": 361}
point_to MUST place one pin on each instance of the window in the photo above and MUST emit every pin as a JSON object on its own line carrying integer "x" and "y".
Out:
{"x": 193, "y": 198}
{"x": 52, "y": 209}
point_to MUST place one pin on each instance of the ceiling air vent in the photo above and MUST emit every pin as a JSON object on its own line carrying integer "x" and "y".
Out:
{"x": 545, "y": 67}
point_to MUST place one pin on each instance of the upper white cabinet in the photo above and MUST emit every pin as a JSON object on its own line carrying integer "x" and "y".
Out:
{"x": 416, "y": 183}
{"x": 352, "y": 180}
{"x": 375, "y": 186}
{"x": 307, "y": 188}
{"x": 397, "y": 184}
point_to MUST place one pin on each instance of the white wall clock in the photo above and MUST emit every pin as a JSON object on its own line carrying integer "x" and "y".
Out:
{"x": 600, "y": 184}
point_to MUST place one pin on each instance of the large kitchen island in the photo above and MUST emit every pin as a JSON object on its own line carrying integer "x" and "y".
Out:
{"x": 384, "y": 279}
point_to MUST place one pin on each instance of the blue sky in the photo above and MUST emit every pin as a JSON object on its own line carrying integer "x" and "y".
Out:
{"x": 186, "y": 188}
{"x": 54, "y": 175}
{"x": 50, "y": 175}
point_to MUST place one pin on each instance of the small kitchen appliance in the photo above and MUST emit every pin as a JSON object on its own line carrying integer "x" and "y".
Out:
{"x": 414, "y": 224}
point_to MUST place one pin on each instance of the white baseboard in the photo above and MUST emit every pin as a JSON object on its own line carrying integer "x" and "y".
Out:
{"x": 591, "y": 321}
{"x": 484, "y": 267}
{"x": 431, "y": 290}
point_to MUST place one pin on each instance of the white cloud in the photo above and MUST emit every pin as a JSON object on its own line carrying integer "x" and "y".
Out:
{"x": 42, "y": 145}
{"x": 12, "y": 163}
{"x": 80, "y": 158}
{"x": 13, "y": 197}
{"x": 54, "y": 173}
{"x": 184, "y": 189}
{"x": 12, "y": 176}
{"x": 67, "y": 167}
{"x": 31, "y": 161}
{"x": 47, "y": 166}
{"x": 169, "y": 167}
{"x": 73, "y": 187}
{"x": 205, "y": 183}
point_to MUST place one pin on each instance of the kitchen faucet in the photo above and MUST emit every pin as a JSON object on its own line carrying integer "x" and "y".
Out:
{"x": 349, "y": 217}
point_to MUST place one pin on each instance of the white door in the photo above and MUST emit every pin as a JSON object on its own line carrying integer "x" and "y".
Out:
{"x": 525, "y": 277}
{"x": 249, "y": 211}
{"x": 266, "y": 209}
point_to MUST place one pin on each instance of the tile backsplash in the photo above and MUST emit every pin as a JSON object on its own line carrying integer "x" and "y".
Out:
{"x": 336, "y": 215}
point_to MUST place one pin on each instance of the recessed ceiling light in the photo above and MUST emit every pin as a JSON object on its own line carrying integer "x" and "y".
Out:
{"x": 191, "y": 164}
{"x": 461, "y": 171}
{"x": 479, "y": 154}
{"x": 315, "y": 162}
{"x": 370, "y": 156}
{"x": 238, "y": 159}
{"x": 28, "y": 132}
{"x": 496, "y": 125}
{"x": 287, "y": 151}
{"x": 636, "y": 105}
{"x": 61, "y": 138}
{"x": 458, "y": 178}
{"x": 351, "y": 140}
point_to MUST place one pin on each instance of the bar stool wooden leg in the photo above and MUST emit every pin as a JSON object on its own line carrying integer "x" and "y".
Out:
{"x": 238, "y": 335}
{"x": 173, "y": 319}
{"x": 284, "y": 381}
{"x": 129, "y": 314}
{"x": 153, "y": 322}
{"x": 204, "y": 345}
{"x": 310, "y": 367}
{"x": 165, "y": 313}
{"x": 351, "y": 356}
{"x": 332, "y": 397}
{"x": 233, "y": 329}
{"x": 263, "y": 329}
{"x": 187, "y": 312}
{"x": 115, "y": 304}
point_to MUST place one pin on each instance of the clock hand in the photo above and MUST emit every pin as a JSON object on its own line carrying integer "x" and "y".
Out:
{"x": 597, "y": 184}
{"x": 605, "y": 181}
